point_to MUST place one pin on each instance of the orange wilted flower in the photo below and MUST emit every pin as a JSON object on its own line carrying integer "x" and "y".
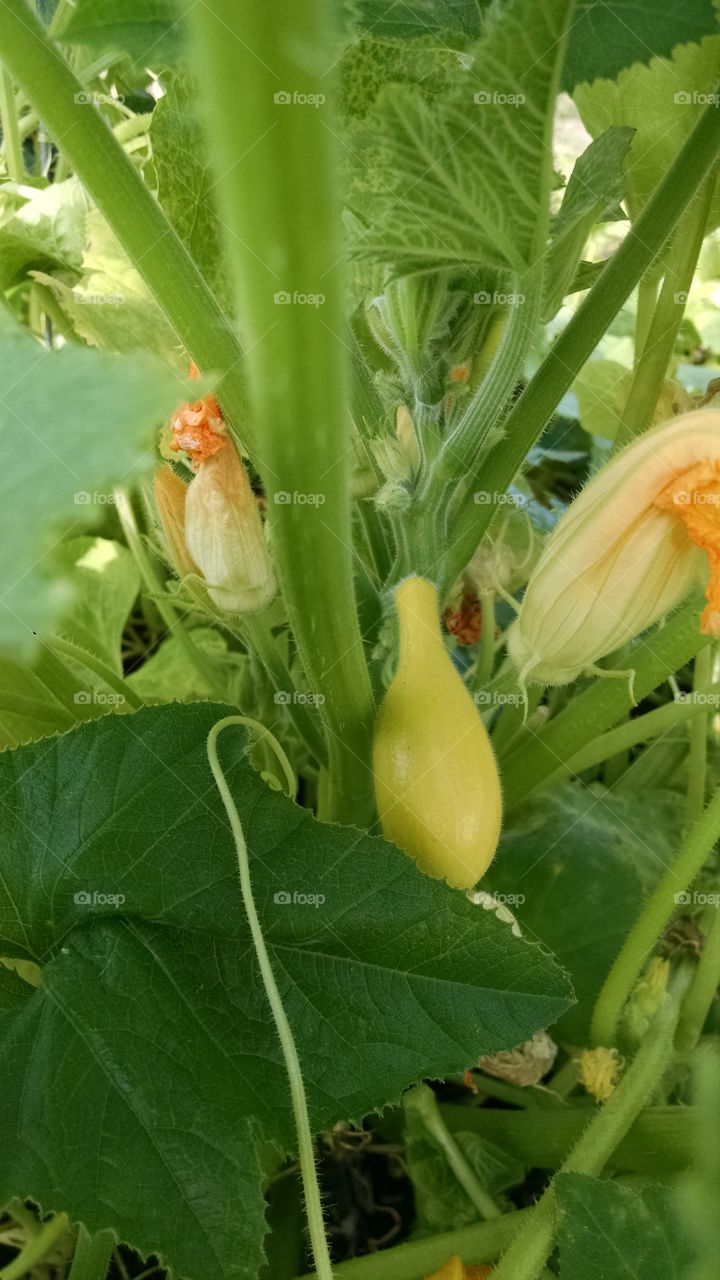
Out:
{"x": 454, "y": 1269}
{"x": 198, "y": 427}
{"x": 466, "y": 621}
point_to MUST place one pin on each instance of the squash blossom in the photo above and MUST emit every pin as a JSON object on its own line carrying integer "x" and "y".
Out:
{"x": 170, "y": 498}
{"x": 627, "y": 550}
{"x": 454, "y": 1269}
{"x": 225, "y": 536}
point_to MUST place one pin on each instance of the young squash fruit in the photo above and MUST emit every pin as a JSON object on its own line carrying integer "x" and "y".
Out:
{"x": 436, "y": 781}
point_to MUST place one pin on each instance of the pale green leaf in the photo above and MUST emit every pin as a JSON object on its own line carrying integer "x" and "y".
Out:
{"x": 110, "y": 305}
{"x": 662, "y": 102}
{"x": 47, "y": 232}
{"x": 150, "y": 31}
{"x": 72, "y": 423}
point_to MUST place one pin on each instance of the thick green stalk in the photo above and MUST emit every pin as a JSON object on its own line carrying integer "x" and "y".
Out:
{"x": 578, "y": 340}
{"x": 601, "y": 706}
{"x": 12, "y": 145}
{"x": 91, "y": 1259}
{"x": 697, "y": 757}
{"x": 652, "y": 365}
{"x": 421, "y": 1257}
{"x": 277, "y": 181}
{"x": 119, "y": 192}
{"x": 653, "y": 919}
{"x": 423, "y": 1101}
{"x": 644, "y": 728}
{"x": 528, "y": 1252}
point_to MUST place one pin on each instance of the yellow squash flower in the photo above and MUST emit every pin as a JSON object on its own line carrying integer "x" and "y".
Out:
{"x": 628, "y": 549}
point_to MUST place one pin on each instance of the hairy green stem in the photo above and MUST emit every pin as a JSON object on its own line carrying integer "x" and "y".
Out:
{"x": 313, "y": 1204}
{"x": 277, "y": 183}
{"x": 254, "y": 627}
{"x": 36, "y": 1248}
{"x": 697, "y": 758}
{"x": 528, "y": 1252}
{"x": 644, "y": 728}
{"x": 652, "y": 365}
{"x": 702, "y": 991}
{"x": 423, "y": 1100}
{"x": 600, "y": 706}
{"x": 81, "y": 657}
{"x": 415, "y": 1258}
{"x": 653, "y": 919}
{"x": 120, "y": 194}
{"x": 578, "y": 340}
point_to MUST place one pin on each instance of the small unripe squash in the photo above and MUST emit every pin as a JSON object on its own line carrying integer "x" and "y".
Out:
{"x": 436, "y": 781}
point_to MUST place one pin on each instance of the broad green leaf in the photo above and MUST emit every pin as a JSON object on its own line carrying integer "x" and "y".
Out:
{"x": 583, "y": 861}
{"x": 609, "y": 35}
{"x": 109, "y": 305}
{"x": 597, "y": 184}
{"x": 628, "y": 1233}
{"x": 468, "y": 177}
{"x": 47, "y": 232}
{"x": 72, "y": 423}
{"x": 150, "y": 31}
{"x": 184, "y": 180}
{"x": 139, "y": 1077}
{"x": 606, "y": 35}
{"x": 662, "y": 102}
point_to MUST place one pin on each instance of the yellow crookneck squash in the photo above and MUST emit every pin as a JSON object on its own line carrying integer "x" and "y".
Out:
{"x": 436, "y": 781}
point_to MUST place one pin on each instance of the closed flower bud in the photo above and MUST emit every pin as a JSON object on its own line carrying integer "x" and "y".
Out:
{"x": 170, "y": 496}
{"x": 627, "y": 550}
{"x": 436, "y": 781}
{"x": 225, "y": 536}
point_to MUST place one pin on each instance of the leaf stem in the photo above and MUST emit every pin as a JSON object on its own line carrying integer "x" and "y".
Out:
{"x": 653, "y": 919}
{"x": 285, "y": 253}
{"x": 313, "y": 1204}
{"x": 36, "y": 1248}
{"x": 576, "y": 343}
{"x": 424, "y": 1101}
{"x": 697, "y": 758}
{"x": 12, "y": 145}
{"x": 120, "y": 194}
{"x": 702, "y": 991}
{"x": 601, "y": 705}
{"x": 644, "y": 728}
{"x": 529, "y": 1250}
{"x": 654, "y": 357}
{"x": 92, "y": 1255}
{"x": 83, "y": 658}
